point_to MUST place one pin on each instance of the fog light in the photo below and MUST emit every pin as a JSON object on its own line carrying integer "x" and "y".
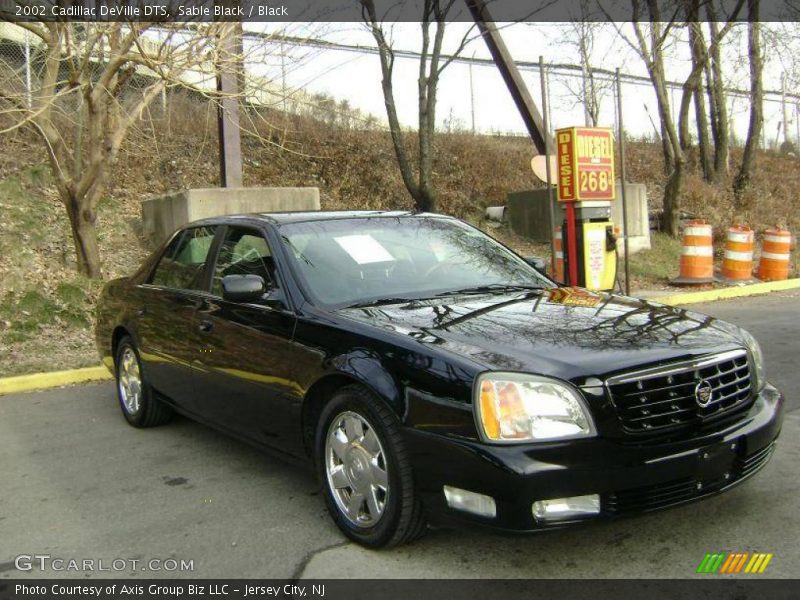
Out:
{"x": 470, "y": 502}
{"x": 565, "y": 509}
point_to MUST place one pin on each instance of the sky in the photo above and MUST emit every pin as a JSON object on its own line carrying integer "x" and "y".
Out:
{"x": 356, "y": 76}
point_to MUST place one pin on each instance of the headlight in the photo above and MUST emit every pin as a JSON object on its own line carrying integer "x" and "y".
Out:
{"x": 515, "y": 407}
{"x": 756, "y": 358}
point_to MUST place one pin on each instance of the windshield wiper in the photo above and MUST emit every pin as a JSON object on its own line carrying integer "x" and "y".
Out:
{"x": 380, "y": 302}
{"x": 493, "y": 287}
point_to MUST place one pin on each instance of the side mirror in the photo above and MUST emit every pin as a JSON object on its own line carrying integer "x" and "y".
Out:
{"x": 538, "y": 263}
{"x": 243, "y": 288}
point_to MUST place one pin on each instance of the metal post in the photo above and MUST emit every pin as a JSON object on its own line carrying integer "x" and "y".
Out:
{"x": 472, "y": 95}
{"x": 283, "y": 71}
{"x": 549, "y": 103}
{"x": 28, "y": 92}
{"x": 511, "y": 75}
{"x": 587, "y": 119}
{"x": 572, "y": 244}
{"x": 551, "y": 208}
{"x": 797, "y": 126}
{"x": 622, "y": 186}
{"x": 785, "y": 109}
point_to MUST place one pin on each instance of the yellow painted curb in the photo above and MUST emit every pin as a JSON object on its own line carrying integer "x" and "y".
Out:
{"x": 728, "y": 292}
{"x": 41, "y": 381}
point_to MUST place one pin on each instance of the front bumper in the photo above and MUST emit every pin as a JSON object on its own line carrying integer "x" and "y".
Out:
{"x": 629, "y": 477}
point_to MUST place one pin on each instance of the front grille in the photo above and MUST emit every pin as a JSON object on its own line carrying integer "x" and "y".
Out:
{"x": 749, "y": 465}
{"x": 651, "y": 497}
{"x": 665, "y": 398}
{"x": 678, "y": 491}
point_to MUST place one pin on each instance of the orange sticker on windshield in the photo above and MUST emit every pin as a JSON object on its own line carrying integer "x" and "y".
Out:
{"x": 570, "y": 296}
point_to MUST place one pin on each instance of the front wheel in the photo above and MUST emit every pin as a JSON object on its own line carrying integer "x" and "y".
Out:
{"x": 366, "y": 472}
{"x": 139, "y": 405}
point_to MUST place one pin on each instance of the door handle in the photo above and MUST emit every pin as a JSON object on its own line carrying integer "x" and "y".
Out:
{"x": 205, "y": 326}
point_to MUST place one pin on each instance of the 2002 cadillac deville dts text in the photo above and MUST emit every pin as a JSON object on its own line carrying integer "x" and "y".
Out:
{"x": 432, "y": 375}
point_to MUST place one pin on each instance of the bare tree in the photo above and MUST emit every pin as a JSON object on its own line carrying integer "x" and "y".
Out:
{"x": 93, "y": 82}
{"x": 581, "y": 34}
{"x": 676, "y": 138}
{"x": 418, "y": 178}
{"x": 717, "y": 100}
{"x": 698, "y": 51}
{"x": 756, "y": 60}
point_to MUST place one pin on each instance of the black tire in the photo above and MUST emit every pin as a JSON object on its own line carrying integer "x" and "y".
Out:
{"x": 403, "y": 519}
{"x": 151, "y": 411}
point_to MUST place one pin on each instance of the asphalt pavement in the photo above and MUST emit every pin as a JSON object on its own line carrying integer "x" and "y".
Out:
{"x": 78, "y": 483}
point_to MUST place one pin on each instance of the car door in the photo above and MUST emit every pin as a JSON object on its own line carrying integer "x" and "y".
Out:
{"x": 244, "y": 373}
{"x": 165, "y": 308}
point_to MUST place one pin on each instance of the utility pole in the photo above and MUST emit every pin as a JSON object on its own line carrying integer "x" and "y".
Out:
{"x": 230, "y": 144}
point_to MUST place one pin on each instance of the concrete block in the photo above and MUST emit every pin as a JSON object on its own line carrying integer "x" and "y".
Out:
{"x": 528, "y": 216}
{"x": 164, "y": 214}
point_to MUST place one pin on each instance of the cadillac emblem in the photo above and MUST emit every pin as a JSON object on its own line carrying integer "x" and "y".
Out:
{"x": 703, "y": 393}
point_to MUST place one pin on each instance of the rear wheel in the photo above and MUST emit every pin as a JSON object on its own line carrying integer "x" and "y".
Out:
{"x": 139, "y": 405}
{"x": 366, "y": 472}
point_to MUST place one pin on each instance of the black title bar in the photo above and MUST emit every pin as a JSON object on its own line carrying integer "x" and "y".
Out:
{"x": 368, "y": 589}
{"x": 388, "y": 10}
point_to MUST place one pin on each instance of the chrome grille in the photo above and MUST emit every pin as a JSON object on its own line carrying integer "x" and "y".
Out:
{"x": 666, "y": 398}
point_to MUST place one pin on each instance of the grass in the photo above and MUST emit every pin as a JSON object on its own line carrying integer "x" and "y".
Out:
{"x": 655, "y": 267}
{"x": 46, "y": 308}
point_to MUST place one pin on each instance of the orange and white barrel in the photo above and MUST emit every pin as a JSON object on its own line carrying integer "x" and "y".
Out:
{"x": 697, "y": 252}
{"x": 558, "y": 259}
{"x": 775, "y": 252}
{"x": 738, "y": 261}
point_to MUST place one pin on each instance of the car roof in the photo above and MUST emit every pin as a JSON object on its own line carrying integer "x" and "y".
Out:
{"x": 281, "y": 218}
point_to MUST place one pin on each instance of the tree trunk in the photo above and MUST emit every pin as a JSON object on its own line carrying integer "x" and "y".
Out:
{"x": 84, "y": 234}
{"x": 699, "y": 52}
{"x": 424, "y": 200}
{"x": 671, "y": 216}
{"x": 718, "y": 103}
{"x": 756, "y": 104}
{"x": 673, "y": 152}
{"x": 703, "y": 136}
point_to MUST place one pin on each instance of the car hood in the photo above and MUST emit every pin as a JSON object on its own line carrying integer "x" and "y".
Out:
{"x": 564, "y": 332}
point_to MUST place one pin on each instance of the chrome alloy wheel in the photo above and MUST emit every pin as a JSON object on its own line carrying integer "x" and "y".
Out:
{"x": 129, "y": 381}
{"x": 356, "y": 469}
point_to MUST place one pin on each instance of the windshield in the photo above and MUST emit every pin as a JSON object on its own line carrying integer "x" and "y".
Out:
{"x": 348, "y": 262}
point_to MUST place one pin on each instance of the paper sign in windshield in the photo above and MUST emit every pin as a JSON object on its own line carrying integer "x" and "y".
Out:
{"x": 364, "y": 249}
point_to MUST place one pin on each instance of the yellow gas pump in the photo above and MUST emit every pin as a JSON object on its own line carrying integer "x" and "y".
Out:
{"x": 597, "y": 244}
{"x": 586, "y": 186}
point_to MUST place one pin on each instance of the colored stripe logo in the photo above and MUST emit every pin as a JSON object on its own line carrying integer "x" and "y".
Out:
{"x": 732, "y": 563}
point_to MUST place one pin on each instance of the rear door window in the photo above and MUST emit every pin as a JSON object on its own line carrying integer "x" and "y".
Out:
{"x": 183, "y": 265}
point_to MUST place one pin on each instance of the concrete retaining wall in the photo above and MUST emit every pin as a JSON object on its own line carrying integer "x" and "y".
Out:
{"x": 164, "y": 214}
{"x": 527, "y": 215}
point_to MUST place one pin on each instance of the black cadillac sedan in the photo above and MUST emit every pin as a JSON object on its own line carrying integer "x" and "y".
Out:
{"x": 431, "y": 375}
